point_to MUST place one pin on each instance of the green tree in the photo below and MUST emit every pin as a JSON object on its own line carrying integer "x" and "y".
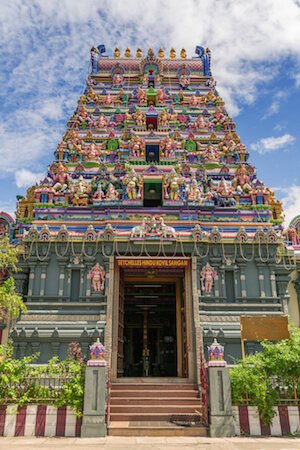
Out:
{"x": 267, "y": 376}
{"x": 11, "y": 304}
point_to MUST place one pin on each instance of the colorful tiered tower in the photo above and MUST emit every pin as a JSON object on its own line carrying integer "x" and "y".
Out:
{"x": 151, "y": 227}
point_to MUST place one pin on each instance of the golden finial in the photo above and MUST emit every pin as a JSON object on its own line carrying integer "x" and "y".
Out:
{"x": 128, "y": 52}
{"x": 183, "y": 53}
{"x": 161, "y": 53}
{"x": 117, "y": 53}
{"x": 150, "y": 52}
{"x": 172, "y": 53}
{"x": 139, "y": 53}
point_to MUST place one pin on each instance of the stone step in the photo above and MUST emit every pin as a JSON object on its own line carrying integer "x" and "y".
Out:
{"x": 155, "y": 416}
{"x": 151, "y": 387}
{"x": 153, "y": 429}
{"x": 151, "y": 409}
{"x": 153, "y": 393}
{"x": 154, "y": 401}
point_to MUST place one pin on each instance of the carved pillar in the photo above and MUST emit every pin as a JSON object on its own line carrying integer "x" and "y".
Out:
{"x": 296, "y": 284}
{"x": 43, "y": 277}
{"x": 32, "y": 268}
{"x": 273, "y": 282}
{"x": 261, "y": 278}
{"x": 242, "y": 266}
{"x": 282, "y": 279}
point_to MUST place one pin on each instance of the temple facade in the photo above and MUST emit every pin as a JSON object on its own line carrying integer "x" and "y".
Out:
{"x": 151, "y": 229}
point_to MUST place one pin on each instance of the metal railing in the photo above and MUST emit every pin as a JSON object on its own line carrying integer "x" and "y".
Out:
{"x": 43, "y": 388}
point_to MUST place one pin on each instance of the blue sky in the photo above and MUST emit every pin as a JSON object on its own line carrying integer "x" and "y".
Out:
{"x": 45, "y": 48}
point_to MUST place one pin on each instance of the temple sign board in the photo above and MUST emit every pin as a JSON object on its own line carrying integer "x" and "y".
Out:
{"x": 260, "y": 328}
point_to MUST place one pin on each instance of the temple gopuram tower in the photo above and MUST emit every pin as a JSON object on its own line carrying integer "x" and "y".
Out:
{"x": 151, "y": 229}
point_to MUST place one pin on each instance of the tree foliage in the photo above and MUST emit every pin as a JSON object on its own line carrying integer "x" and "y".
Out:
{"x": 60, "y": 383}
{"x": 11, "y": 304}
{"x": 268, "y": 376}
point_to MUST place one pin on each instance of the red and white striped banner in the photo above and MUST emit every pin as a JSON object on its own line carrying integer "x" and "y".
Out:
{"x": 247, "y": 421}
{"x": 38, "y": 420}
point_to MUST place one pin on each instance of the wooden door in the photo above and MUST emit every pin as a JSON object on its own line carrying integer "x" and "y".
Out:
{"x": 120, "y": 351}
{"x": 184, "y": 335}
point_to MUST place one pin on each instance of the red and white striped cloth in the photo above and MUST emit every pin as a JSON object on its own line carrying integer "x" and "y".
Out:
{"x": 38, "y": 420}
{"x": 247, "y": 421}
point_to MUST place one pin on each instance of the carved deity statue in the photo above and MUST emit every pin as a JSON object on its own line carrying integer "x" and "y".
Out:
{"x": 118, "y": 80}
{"x": 207, "y": 276}
{"x": 164, "y": 118}
{"x": 140, "y": 118}
{"x": 167, "y": 147}
{"x": 133, "y": 184}
{"x": 142, "y": 96}
{"x": 137, "y": 147}
{"x": 172, "y": 183}
{"x": 97, "y": 276}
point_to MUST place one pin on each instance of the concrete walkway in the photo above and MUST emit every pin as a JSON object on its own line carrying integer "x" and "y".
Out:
{"x": 150, "y": 443}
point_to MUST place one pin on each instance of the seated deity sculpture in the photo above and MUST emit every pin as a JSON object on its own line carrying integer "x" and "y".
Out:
{"x": 167, "y": 147}
{"x": 109, "y": 101}
{"x": 140, "y": 118}
{"x": 211, "y": 154}
{"x": 111, "y": 193}
{"x": 100, "y": 122}
{"x": 142, "y": 96}
{"x": 164, "y": 118}
{"x": 184, "y": 81}
{"x": 118, "y": 80}
{"x": 161, "y": 96}
{"x": 194, "y": 101}
{"x": 137, "y": 147}
{"x": 194, "y": 192}
{"x": 91, "y": 152}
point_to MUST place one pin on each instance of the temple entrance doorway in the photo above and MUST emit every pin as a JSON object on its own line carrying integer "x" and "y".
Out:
{"x": 152, "y": 334}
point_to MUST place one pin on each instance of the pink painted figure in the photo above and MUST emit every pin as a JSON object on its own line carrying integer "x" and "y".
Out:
{"x": 292, "y": 234}
{"x": 118, "y": 80}
{"x": 142, "y": 96}
{"x": 184, "y": 80}
{"x": 97, "y": 277}
{"x": 161, "y": 96}
{"x": 101, "y": 122}
{"x": 194, "y": 101}
{"x": 167, "y": 147}
{"x": 111, "y": 193}
{"x": 109, "y": 101}
{"x": 207, "y": 276}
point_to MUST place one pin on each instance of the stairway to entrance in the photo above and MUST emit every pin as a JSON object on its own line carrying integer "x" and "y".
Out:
{"x": 155, "y": 409}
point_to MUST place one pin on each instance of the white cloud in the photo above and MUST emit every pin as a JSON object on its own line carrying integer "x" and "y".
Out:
{"x": 271, "y": 144}
{"x": 290, "y": 201}
{"x": 25, "y": 178}
{"x": 279, "y": 97}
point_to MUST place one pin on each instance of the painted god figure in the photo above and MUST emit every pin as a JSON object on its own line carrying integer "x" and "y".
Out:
{"x": 97, "y": 276}
{"x": 207, "y": 276}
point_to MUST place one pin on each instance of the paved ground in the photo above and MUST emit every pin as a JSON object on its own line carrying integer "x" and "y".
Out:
{"x": 150, "y": 443}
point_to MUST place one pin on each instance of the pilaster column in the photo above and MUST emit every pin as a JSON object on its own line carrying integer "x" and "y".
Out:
{"x": 43, "y": 277}
{"x": 273, "y": 283}
{"x": 242, "y": 267}
{"x": 282, "y": 279}
{"x": 261, "y": 279}
{"x": 32, "y": 268}
{"x": 296, "y": 284}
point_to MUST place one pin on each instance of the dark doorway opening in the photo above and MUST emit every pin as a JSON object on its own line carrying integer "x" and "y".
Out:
{"x": 151, "y": 122}
{"x": 152, "y": 153}
{"x": 152, "y": 194}
{"x": 150, "y": 347}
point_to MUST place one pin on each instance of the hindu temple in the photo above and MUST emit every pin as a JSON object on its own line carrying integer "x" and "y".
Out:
{"x": 151, "y": 229}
